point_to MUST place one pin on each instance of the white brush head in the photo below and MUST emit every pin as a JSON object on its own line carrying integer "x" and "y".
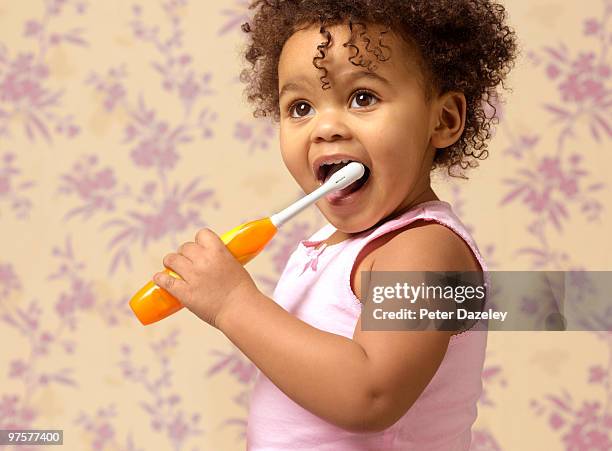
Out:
{"x": 347, "y": 175}
{"x": 339, "y": 180}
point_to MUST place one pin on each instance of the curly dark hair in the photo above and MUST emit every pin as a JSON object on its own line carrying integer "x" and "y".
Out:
{"x": 461, "y": 45}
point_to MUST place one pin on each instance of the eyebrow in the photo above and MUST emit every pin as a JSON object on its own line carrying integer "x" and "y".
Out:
{"x": 293, "y": 86}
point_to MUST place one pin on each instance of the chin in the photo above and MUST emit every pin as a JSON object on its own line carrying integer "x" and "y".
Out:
{"x": 351, "y": 224}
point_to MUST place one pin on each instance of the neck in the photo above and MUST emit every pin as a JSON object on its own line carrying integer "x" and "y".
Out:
{"x": 425, "y": 195}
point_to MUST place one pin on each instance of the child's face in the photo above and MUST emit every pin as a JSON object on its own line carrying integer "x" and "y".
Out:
{"x": 388, "y": 130}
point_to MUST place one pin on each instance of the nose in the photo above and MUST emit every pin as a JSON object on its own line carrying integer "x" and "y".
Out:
{"x": 330, "y": 126}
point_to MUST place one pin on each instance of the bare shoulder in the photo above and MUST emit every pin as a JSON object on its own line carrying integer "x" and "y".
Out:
{"x": 422, "y": 246}
{"x": 419, "y": 246}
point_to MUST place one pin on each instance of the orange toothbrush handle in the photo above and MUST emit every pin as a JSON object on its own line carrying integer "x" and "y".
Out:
{"x": 153, "y": 303}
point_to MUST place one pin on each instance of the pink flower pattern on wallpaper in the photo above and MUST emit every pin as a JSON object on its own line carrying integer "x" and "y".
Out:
{"x": 236, "y": 17}
{"x": 154, "y": 143}
{"x": 458, "y": 203}
{"x": 101, "y": 428}
{"x": 258, "y": 134}
{"x": 553, "y": 185}
{"x": 25, "y": 91}
{"x": 51, "y": 330}
{"x": 163, "y": 404}
{"x": 236, "y": 365}
{"x": 483, "y": 440}
{"x": 584, "y": 81}
{"x": 12, "y": 192}
{"x": 581, "y": 426}
{"x": 95, "y": 187}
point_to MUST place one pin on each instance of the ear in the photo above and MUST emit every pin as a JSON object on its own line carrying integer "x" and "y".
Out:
{"x": 449, "y": 119}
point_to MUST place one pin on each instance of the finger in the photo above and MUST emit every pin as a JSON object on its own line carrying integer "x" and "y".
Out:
{"x": 179, "y": 264}
{"x": 176, "y": 287}
{"x": 190, "y": 250}
{"x": 207, "y": 238}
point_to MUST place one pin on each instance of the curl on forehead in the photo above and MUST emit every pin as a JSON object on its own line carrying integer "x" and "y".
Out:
{"x": 369, "y": 46}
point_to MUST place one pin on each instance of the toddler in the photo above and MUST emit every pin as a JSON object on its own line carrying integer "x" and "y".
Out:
{"x": 399, "y": 86}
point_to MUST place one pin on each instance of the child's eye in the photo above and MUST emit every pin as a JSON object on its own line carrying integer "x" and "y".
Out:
{"x": 295, "y": 106}
{"x": 360, "y": 96}
{"x": 364, "y": 94}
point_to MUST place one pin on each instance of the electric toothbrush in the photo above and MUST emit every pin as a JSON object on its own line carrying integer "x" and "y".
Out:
{"x": 152, "y": 303}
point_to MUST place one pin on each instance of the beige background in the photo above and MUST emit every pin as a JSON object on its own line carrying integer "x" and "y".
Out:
{"x": 522, "y": 368}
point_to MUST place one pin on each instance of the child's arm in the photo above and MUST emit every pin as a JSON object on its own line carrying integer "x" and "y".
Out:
{"x": 363, "y": 384}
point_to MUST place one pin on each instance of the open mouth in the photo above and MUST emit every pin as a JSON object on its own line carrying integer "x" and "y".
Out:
{"x": 326, "y": 170}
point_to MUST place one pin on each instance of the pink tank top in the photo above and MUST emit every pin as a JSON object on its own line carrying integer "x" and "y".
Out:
{"x": 315, "y": 286}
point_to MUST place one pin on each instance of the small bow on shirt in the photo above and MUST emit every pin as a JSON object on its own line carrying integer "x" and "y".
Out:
{"x": 313, "y": 255}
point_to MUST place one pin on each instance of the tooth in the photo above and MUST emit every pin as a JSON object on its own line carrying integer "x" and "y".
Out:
{"x": 329, "y": 163}
{"x": 337, "y": 162}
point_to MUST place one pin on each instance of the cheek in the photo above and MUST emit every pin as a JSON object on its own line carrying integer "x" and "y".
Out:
{"x": 399, "y": 166}
{"x": 290, "y": 163}
{"x": 287, "y": 151}
{"x": 295, "y": 158}
{"x": 285, "y": 156}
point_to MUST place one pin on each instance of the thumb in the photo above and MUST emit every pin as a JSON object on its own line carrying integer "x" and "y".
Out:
{"x": 175, "y": 286}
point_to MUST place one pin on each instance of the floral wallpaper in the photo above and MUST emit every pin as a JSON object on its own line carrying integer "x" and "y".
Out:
{"x": 123, "y": 130}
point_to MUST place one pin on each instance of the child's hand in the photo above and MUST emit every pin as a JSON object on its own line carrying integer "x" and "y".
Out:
{"x": 212, "y": 277}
